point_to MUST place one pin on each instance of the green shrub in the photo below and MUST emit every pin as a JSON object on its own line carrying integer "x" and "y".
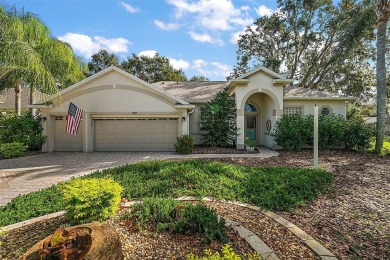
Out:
{"x": 184, "y": 144}
{"x": 168, "y": 214}
{"x": 292, "y": 132}
{"x": 227, "y": 254}
{"x": 218, "y": 120}
{"x": 250, "y": 142}
{"x": 155, "y": 211}
{"x": 26, "y": 129}
{"x": 202, "y": 220}
{"x": 330, "y": 130}
{"x": 12, "y": 150}
{"x": 358, "y": 134}
{"x": 90, "y": 199}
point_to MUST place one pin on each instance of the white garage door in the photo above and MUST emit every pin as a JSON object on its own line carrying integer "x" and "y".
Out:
{"x": 64, "y": 141}
{"x": 141, "y": 134}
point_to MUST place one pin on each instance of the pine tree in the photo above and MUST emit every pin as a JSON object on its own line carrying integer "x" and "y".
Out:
{"x": 218, "y": 120}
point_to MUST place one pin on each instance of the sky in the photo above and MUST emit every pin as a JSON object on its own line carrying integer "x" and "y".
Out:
{"x": 198, "y": 36}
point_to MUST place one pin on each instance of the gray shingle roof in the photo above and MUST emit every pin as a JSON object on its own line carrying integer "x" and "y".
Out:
{"x": 192, "y": 91}
{"x": 201, "y": 92}
{"x": 291, "y": 92}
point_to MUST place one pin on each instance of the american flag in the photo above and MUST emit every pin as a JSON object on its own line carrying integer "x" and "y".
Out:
{"x": 73, "y": 119}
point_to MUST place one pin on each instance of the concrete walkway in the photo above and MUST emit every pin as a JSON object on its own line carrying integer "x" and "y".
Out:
{"x": 32, "y": 173}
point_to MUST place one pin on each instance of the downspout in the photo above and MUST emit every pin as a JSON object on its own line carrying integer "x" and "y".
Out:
{"x": 188, "y": 120}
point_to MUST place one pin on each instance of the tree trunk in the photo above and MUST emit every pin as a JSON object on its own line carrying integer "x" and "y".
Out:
{"x": 18, "y": 98}
{"x": 382, "y": 18}
{"x": 31, "y": 101}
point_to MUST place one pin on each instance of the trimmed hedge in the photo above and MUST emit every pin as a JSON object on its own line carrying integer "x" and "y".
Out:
{"x": 294, "y": 131}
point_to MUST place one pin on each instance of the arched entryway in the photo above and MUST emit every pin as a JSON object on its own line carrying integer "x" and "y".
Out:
{"x": 258, "y": 114}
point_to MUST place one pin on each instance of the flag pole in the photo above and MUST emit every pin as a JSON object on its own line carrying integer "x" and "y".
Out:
{"x": 315, "y": 136}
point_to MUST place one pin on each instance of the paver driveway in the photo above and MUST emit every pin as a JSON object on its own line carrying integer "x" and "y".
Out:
{"x": 27, "y": 174}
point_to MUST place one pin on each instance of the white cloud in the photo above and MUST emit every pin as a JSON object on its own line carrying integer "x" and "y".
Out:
{"x": 199, "y": 63}
{"x": 263, "y": 10}
{"x": 179, "y": 64}
{"x": 166, "y": 26}
{"x": 129, "y": 8}
{"x": 115, "y": 45}
{"x": 205, "y": 38}
{"x": 213, "y": 69}
{"x": 212, "y": 14}
{"x": 148, "y": 53}
{"x": 86, "y": 46}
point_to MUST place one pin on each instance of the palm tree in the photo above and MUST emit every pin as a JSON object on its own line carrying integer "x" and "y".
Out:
{"x": 30, "y": 56}
{"x": 382, "y": 18}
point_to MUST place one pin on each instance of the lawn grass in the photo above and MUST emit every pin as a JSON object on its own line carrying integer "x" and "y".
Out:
{"x": 385, "y": 149}
{"x": 278, "y": 188}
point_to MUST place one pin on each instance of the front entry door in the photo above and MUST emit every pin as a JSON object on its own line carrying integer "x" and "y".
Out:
{"x": 250, "y": 127}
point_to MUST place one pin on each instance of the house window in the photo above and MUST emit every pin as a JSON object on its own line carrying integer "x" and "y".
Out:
{"x": 58, "y": 118}
{"x": 326, "y": 110}
{"x": 250, "y": 108}
{"x": 288, "y": 111}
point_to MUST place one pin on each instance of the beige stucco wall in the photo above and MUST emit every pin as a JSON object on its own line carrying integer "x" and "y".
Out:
{"x": 336, "y": 106}
{"x": 195, "y": 124}
{"x": 113, "y": 94}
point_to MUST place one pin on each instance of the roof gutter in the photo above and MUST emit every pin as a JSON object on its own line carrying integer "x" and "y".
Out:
{"x": 320, "y": 98}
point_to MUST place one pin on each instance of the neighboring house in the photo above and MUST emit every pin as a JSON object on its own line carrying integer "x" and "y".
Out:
{"x": 124, "y": 113}
{"x": 7, "y": 99}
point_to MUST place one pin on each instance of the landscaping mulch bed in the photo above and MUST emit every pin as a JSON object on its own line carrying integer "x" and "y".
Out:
{"x": 146, "y": 244}
{"x": 353, "y": 218}
{"x": 136, "y": 244}
{"x": 284, "y": 243}
{"x": 16, "y": 242}
{"x": 221, "y": 150}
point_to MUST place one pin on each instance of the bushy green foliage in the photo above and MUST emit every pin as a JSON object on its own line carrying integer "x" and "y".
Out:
{"x": 202, "y": 220}
{"x": 26, "y": 129}
{"x": 90, "y": 200}
{"x": 156, "y": 211}
{"x": 227, "y": 254}
{"x": 184, "y": 144}
{"x": 275, "y": 188}
{"x": 218, "y": 120}
{"x": 31, "y": 205}
{"x": 250, "y": 142}
{"x": 11, "y": 150}
{"x": 358, "y": 134}
{"x": 293, "y": 132}
{"x": 179, "y": 217}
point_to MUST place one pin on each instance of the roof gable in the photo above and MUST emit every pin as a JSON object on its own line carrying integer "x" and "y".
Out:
{"x": 261, "y": 69}
{"x": 123, "y": 73}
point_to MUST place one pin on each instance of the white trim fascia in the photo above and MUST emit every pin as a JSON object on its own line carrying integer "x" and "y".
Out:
{"x": 319, "y": 98}
{"x": 235, "y": 82}
{"x": 283, "y": 81}
{"x": 113, "y": 68}
{"x": 261, "y": 68}
{"x": 189, "y": 106}
{"x": 139, "y": 115}
{"x": 38, "y": 106}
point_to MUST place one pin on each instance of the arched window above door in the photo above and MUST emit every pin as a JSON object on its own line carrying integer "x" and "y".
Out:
{"x": 250, "y": 108}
